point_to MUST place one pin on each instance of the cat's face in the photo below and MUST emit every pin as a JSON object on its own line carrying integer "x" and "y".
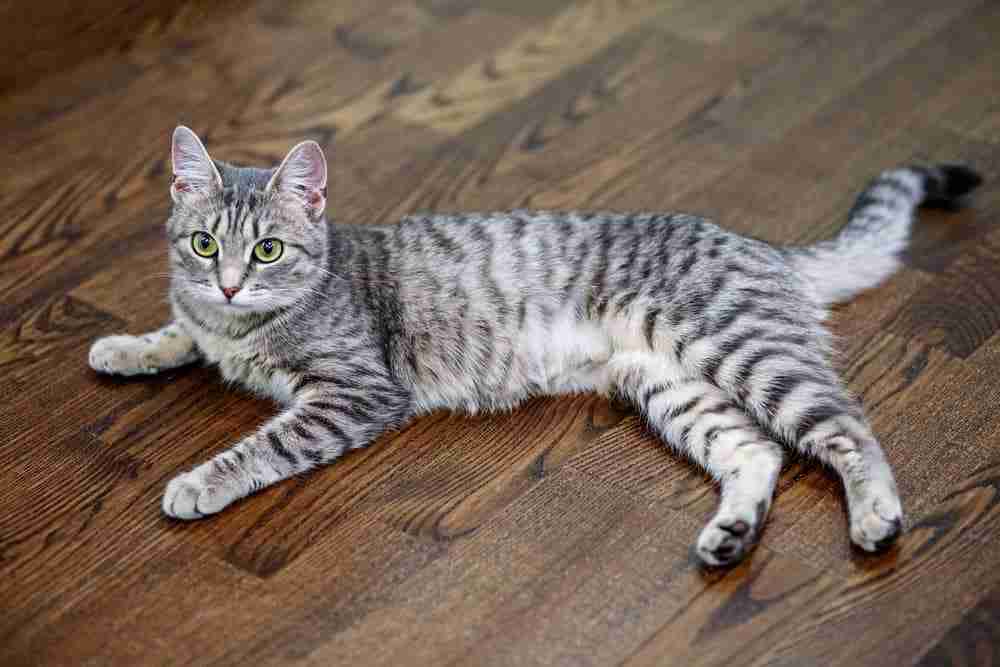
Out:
{"x": 243, "y": 239}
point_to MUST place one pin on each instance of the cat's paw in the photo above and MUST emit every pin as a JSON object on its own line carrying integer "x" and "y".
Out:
{"x": 726, "y": 539}
{"x": 192, "y": 495}
{"x": 122, "y": 355}
{"x": 877, "y": 521}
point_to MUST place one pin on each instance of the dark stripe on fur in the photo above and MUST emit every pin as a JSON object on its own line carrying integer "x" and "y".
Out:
{"x": 279, "y": 448}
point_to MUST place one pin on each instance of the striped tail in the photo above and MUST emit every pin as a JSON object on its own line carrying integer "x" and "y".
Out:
{"x": 866, "y": 251}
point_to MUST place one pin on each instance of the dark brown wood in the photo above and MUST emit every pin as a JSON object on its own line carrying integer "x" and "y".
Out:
{"x": 972, "y": 642}
{"x": 560, "y": 533}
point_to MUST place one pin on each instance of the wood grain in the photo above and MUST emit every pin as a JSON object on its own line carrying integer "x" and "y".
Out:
{"x": 557, "y": 534}
{"x": 972, "y": 642}
{"x": 535, "y": 57}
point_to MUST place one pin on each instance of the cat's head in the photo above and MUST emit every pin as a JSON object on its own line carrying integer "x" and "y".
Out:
{"x": 244, "y": 239}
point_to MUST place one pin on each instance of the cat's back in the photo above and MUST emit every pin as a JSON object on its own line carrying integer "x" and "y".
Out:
{"x": 552, "y": 250}
{"x": 512, "y": 240}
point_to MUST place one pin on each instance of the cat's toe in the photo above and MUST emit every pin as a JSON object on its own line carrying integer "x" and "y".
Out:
{"x": 119, "y": 355}
{"x": 188, "y": 497}
{"x": 103, "y": 354}
{"x": 180, "y": 500}
{"x": 726, "y": 540}
{"x": 877, "y": 525}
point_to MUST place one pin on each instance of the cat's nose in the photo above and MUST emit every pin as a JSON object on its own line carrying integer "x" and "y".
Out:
{"x": 230, "y": 292}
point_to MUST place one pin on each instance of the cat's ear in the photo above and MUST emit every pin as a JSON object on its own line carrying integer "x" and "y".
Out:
{"x": 301, "y": 178}
{"x": 195, "y": 175}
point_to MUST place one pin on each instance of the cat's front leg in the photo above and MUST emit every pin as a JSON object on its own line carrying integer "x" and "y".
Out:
{"x": 310, "y": 433}
{"x": 149, "y": 353}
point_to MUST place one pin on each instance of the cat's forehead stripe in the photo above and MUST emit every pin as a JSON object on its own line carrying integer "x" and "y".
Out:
{"x": 243, "y": 201}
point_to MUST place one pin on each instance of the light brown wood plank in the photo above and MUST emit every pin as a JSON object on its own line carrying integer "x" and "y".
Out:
{"x": 534, "y": 58}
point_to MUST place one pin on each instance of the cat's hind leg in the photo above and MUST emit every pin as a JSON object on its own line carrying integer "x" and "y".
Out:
{"x": 797, "y": 396}
{"x": 149, "y": 353}
{"x": 704, "y": 423}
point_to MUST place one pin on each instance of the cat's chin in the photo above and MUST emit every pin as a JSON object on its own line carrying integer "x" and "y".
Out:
{"x": 242, "y": 308}
{"x": 234, "y": 307}
{"x": 239, "y": 307}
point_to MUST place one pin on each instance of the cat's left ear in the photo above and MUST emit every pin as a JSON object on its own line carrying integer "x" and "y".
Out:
{"x": 302, "y": 178}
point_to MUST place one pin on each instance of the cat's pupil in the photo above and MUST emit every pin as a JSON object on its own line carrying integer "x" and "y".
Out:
{"x": 205, "y": 243}
{"x": 268, "y": 247}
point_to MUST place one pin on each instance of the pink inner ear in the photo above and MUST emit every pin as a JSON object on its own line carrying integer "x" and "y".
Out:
{"x": 315, "y": 197}
{"x": 181, "y": 186}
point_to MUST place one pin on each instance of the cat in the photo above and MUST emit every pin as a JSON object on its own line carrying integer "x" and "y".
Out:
{"x": 717, "y": 339}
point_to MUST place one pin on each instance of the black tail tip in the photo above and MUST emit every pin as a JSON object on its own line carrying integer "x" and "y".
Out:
{"x": 948, "y": 183}
{"x": 959, "y": 180}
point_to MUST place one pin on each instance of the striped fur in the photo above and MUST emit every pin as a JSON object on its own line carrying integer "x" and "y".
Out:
{"x": 718, "y": 340}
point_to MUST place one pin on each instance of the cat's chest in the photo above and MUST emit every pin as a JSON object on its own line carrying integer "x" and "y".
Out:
{"x": 242, "y": 362}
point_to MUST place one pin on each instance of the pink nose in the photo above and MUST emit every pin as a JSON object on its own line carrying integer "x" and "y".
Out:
{"x": 230, "y": 292}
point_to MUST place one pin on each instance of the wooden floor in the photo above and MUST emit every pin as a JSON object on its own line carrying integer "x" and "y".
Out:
{"x": 558, "y": 534}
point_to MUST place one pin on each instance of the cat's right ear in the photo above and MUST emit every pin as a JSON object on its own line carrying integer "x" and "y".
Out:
{"x": 195, "y": 175}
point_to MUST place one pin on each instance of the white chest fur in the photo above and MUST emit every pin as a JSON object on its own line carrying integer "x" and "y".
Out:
{"x": 270, "y": 382}
{"x": 239, "y": 362}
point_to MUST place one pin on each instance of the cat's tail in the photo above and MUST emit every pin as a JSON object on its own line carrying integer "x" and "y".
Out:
{"x": 866, "y": 251}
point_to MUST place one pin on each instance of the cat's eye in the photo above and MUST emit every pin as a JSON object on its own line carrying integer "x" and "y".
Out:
{"x": 268, "y": 250}
{"x": 204, "y": 245}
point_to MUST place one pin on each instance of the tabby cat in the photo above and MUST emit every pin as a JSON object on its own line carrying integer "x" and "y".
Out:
{"x": 717, "y": 339}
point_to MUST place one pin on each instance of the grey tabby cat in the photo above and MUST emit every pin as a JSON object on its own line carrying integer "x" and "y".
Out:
{"x": 718, "y": 340}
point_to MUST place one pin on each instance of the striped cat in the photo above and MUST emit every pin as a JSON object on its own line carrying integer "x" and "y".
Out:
{"x": 718, "y": 340}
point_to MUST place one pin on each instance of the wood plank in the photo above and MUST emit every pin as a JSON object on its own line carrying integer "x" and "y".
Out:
{"x": 568, "y": 543}
{"x": 637, "y": 602}
{"x": 754, "y": 607}
{"x": 972, "y": 642}
{"x": 55, "y": 35}
{"x": 715, "y": 21}
{"x": 371, "y": 81}
{"x": 759, "y": 106}
{"x": 958, "y": 310}
{"x": 800, "y": 188}
{"x": 224, "y": 612}
{"x": 898, "y": 605}
{"x": 534, "y": 58}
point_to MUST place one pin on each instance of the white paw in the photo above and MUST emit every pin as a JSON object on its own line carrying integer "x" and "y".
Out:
{"x": 726, "y": 539}
{"x": 122, "y": 355}
{"x": 877, "y": 521}
{"x": 190, "y": 496}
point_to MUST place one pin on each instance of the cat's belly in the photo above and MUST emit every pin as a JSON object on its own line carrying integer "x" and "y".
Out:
{"x": 567, "y": 356}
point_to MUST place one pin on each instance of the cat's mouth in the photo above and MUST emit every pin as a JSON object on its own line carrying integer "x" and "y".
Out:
{"x": 238, "y": 303}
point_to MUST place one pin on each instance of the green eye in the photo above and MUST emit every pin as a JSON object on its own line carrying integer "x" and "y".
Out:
{"x": 204, "y": 245}
{"x": 268, "y": 250}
